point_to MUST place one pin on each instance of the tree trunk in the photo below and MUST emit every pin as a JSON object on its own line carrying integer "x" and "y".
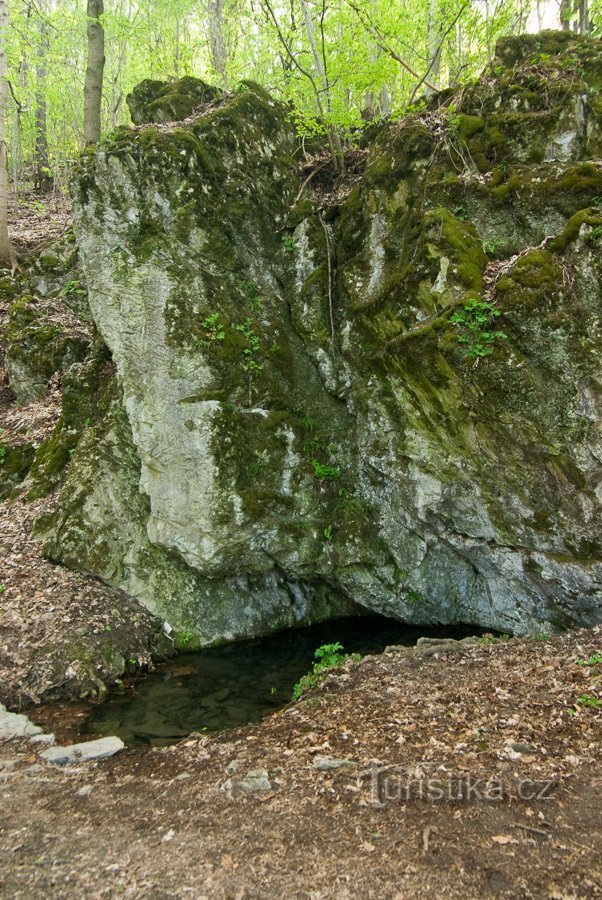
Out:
{"x": 43, "y": 177}
{"x": 217, "y": 39}
{"x": 584, "y": 21}
{"x": 434, "y": 44}
{"x": 7, "y": 254}
{"x": 333, "y": 135}
{"x": 94, "y": 73}
{"x": 566, "y": 9}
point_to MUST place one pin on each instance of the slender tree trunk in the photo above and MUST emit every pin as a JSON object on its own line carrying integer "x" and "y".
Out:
{"x": 176, "y": 51}
{"x": 566, "y": 8}
{"x": 94, "y": 73}
{"x": 217, "y": 39}
{"x": 43, "y": 177}
{"x": 384, "y": 101}
{"x": 7, "y": 254}
{"x": 584, "y": 21}
{"x": 434, "y": 42}
{"x": 333, "y": 135}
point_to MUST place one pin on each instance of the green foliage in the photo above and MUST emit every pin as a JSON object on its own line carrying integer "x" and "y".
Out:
{"x": 325, "y": 473}
{"x": 213, "y": 330}
{"x": 327, "y": 657}
{"x": 472, "y": 323}
{"x": 288, "y": 242}
{"x": 185, "y": 640}
{"x": 320, "y": 60}
{"x": 452, "y": 121}
{"x": 328, "y": 534}
{"x": 595, "y": 660}
{"x": 75, "y": 289}
{"x": 251, "y": 363}
{"x": 253, "y": 295}
{"x": 491, "y": 247}
{"x": 494, "y": 639}
{"x": 590, "y": 701}
{"x": 2, "y": 455}
{"x": 594, "y": 236}
{"x": 304, "y": 418}
{"x": 413, "y": 597}
{"x": 347, "y": 503}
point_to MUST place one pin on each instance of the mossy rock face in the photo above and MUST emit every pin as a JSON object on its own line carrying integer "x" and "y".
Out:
{"x": 309, "y": 412}
{"x": 15, "y": 463}
{"x": 48, "y": 325}
{"x": 37, "y": 346}
{"x": 169, "y": 101}
{"x": 84, "y": 388}
{"x": 56, "y": 274}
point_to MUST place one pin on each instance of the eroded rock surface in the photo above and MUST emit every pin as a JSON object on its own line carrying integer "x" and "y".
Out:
{"x": 296, "y": 427}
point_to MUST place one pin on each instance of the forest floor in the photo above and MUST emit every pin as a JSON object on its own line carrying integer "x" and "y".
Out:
{"x": 34, "y": 221}
{"x": 468, "y": 775}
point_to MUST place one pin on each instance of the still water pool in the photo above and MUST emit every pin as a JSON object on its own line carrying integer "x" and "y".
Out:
{"x": 237, "y": 684}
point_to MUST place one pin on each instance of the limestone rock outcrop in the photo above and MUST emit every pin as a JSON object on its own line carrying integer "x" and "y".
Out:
{"x": 382, "y": 393}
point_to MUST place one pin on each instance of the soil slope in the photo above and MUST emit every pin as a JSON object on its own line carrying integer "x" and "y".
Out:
{"x": 154, "y": 824}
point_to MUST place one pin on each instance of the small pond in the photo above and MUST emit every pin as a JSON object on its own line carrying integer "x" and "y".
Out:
{"x": 239, "y": 683}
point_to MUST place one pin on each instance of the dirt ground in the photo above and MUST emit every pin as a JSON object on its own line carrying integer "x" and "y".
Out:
{"x": 155, "y": 824}
{"x": 62, "y": 634}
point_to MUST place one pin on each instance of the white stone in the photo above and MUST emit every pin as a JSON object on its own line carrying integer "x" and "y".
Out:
{"x": 330, "y": 763}
{"x": 14, "y": 725}
{"x": 89, "y": 750}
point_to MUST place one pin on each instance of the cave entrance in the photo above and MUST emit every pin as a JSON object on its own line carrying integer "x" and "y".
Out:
{"x": 237, "y": 684}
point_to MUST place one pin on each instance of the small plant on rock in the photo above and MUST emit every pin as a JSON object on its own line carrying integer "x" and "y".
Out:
{"x": 253, "y": 295}
{"x": 254, "y": 346}
{"x": 213, "y": 329}
{"x": 594, "y": 236}
{"x": 325, "y": 473}
{"x": 473, "y": 323}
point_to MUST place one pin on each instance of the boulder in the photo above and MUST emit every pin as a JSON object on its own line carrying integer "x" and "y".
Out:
{"x": 392, "y": 403}
{"x": 169, "y": 101}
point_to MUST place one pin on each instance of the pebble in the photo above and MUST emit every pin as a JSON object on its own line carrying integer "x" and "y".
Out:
{"x": 330, "y": 763}
{"x": 254, "y": 782}
{"x": 43, "y": 739}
